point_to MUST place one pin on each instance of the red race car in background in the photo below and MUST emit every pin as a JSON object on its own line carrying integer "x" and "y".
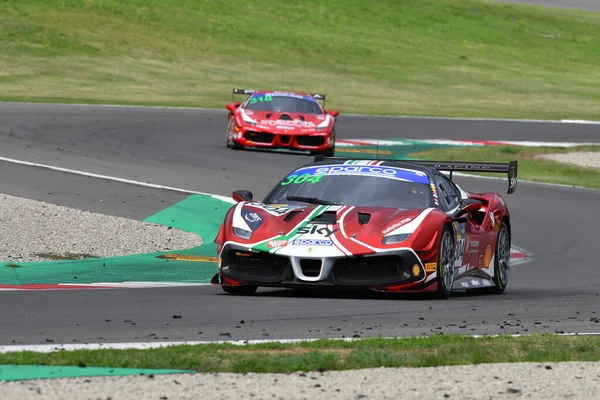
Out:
{"x": 276, "y": 120}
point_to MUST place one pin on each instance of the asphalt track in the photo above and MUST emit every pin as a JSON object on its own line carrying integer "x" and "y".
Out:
{"x": 557, "y": 291}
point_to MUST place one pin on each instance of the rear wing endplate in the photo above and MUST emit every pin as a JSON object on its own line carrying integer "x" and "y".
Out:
{"x": 510, "y": 168}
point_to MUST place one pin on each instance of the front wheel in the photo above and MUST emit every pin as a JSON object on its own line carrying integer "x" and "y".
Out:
{"x": 244, "y": 290}
{"x": 445, "y": 267}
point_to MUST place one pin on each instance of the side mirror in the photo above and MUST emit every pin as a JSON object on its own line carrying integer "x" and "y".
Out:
{"x": 233, "y": 106}
{"x": 242, "y": 195}
{"x": 334, "y": 113}
{"x": 468, "y": 206}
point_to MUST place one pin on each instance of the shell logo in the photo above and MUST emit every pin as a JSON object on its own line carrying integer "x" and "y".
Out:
{"x": 487, "y": 257}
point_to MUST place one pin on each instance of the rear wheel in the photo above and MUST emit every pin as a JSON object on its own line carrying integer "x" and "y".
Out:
{"x": 244, "y": 290}
{"x": 445, "y": 267}
{"x": 501, "y": 262}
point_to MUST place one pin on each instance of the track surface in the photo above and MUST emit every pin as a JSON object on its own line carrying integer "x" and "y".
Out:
{"x": 185, "y": 148}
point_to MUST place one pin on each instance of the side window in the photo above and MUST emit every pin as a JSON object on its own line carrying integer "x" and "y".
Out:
{"x": 449, "y": 198}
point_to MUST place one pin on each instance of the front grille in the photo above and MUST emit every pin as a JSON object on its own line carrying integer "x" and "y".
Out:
{"x": 310, "y": 140}
{"x": 260, "y": 137}
{"x": 379, "y": 270}
{"x": 311, "y": 268}
{"x": 284, "y": 139}
{"x": 255, "y": 267}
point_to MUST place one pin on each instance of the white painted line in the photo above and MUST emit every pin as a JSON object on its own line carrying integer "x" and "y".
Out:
{"x": 51, "y": 348}
{"x": 478, "y": 143}
{"x": 542, "y": 121}
{"x": 113, "y": 178}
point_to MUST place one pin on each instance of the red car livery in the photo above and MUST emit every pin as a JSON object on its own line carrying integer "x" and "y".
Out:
{"x": 275, "y": 119}
{"x": 390, "y": 226}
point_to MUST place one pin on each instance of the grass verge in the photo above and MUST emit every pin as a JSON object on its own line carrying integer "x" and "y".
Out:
{"x": 425, "y": 57}
{"x": 322, "y": 355}
{"x": 530, "y": 168}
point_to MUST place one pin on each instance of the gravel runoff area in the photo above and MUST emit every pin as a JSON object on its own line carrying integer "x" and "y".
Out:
{"x": 30, "y": 227}
{"x": 547, "y": 381}
{"x": 582, "y": 159}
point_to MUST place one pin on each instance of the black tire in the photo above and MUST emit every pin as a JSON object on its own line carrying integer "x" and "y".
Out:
{"x": 330, "y": 152}
{"x": 245, "y": 290}
{"x": 501, "y": 263}
{"x": 232, "y": 144}
{"x": 445, "y": 264}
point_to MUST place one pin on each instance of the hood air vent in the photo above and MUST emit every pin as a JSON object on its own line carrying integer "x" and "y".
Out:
{"x": 291, "y": 215}
{"x": 327, "y": 218}
{"x": 363, "y": 218}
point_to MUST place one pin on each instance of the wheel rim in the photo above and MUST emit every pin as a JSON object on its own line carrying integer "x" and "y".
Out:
{"x": 503, "y": 254}
{"x": 447, "y": 261}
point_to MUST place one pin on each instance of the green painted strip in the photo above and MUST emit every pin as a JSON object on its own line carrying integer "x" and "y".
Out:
{"x": 199, "y": 214}
{"x": 26, "y": 372}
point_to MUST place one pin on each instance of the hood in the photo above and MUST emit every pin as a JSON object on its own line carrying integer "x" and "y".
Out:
{"x": 289, "y": 122}
{"x": 321, "y": 230}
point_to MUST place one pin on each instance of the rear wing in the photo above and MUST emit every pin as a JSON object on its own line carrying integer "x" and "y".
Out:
{"x": 317, "y": 96}
{"x": 510, "y": 168}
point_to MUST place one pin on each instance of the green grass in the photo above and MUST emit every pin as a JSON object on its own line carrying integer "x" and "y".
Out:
{"x": 426, "y": 57}
{"x": 429, "y": 351}
{"x": 530, "y": 168}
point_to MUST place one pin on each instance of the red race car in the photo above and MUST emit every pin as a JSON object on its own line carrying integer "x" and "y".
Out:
{"x": 383, "y": 225}
{"x": 275, "y": 120}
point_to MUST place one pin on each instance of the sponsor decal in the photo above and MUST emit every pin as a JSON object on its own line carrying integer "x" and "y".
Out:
{"x": 487, "y": 283}
{"x": 312, "y": 242}
{"x": 286, "y": 124}
{"x": 436, "y": 198}
{"x": 252, "y": 218}
{"x": 322, "y": 230}
{"x": 464, "y": 284}
{"x": 430, "y": 267}
{"x": 473, "y": 246}
{"x": 396, "y": 225}
{"x": 276, "y": 243}
{"x": 475, "y": 283}
{"x": 366, "y": 170}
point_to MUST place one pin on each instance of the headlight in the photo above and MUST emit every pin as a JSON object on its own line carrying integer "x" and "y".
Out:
{"x": 246, "y": 118}
{"x": 323, "y": 124}
{"x": 242, "y": 233}
{"x": 391, "y": 239}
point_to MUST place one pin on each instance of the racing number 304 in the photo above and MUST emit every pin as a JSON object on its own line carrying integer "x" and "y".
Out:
{"x": 297, "y": 179}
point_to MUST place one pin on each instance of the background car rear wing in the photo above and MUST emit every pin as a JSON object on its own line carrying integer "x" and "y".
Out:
{"x": 510, "y": 168}
{"x": 317, "y": 96}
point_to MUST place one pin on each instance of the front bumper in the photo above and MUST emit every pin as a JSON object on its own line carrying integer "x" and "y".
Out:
{"x": 310, "y": 142}
{"x": 400, "y": 270}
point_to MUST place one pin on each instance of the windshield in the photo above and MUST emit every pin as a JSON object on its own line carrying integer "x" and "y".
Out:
{"x": 354, "y": 185}
{"x": 281, "y": 103}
